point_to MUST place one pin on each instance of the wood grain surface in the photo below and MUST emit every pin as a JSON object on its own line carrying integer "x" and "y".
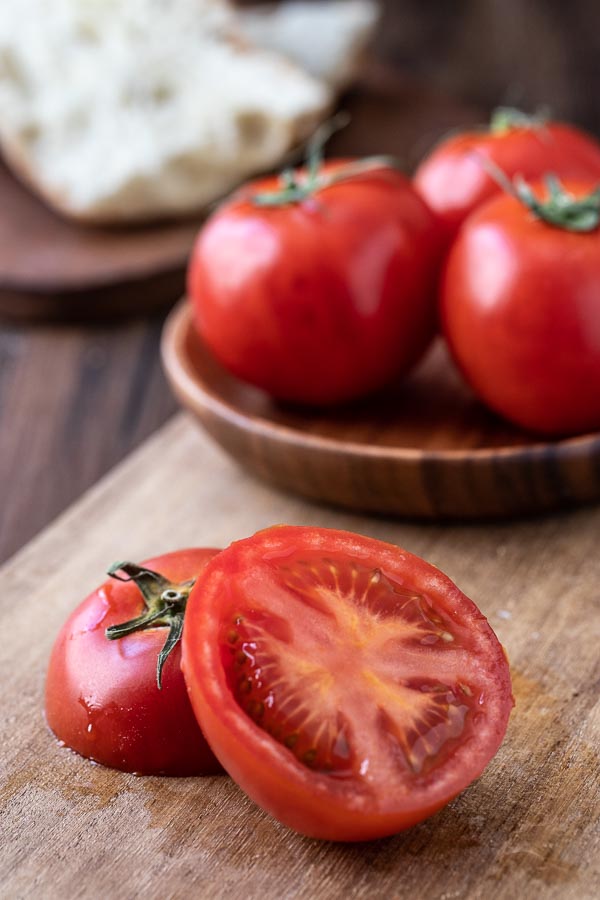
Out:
{"x": 526, "y": 829}
{"x": 53, "y": 268}
{"x": 73, "y": 402}
{"x": 424, "y": 448}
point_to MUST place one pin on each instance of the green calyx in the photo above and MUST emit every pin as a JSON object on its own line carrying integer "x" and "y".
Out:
{"x": 580, "y": 215}
{"x": 297, "y": 187}
{"x": 506, "y": 118}
{"x": 561, "y": 209}
{"x": 164, "y": 602}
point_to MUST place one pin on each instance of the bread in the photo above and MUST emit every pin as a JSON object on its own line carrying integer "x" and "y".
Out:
{"x": 125, "y": 110}
{"x": 327, "y": 39}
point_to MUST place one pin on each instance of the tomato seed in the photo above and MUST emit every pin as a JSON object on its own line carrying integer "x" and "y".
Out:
{"x": 245, "y": 685}
{"x": 255, "y": 709}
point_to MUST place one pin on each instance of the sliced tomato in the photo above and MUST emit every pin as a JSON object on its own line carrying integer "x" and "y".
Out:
{"x": 348, "y": 686}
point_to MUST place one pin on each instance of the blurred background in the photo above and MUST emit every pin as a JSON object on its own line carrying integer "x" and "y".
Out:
{"x": 526, "y": 52}
{"x": 76, "y": 398}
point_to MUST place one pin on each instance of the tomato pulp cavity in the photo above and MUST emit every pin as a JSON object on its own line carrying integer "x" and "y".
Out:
{"x": 349, "y": 687}
{"x": 102, "y": 697}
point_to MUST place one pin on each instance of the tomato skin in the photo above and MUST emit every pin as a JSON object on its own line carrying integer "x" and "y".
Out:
{"x": 520, "y": 310}
{"x": 313, "y": 803}
{"x": 322, "y": 301}
{"x": 454, "y": 183}
{"x": 101, "y": 696}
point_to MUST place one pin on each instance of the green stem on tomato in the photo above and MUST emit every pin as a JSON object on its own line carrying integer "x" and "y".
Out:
{"x": 165, "y": 603}
{"x": 297, "y": 189}
{"x": 505, "y": 118}
{"x": 561, "y": 209}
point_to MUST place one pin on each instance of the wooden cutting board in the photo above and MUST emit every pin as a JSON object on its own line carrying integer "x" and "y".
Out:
{"x": 526, "y": 829}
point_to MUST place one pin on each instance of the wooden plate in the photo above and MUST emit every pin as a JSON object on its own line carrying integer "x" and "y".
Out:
{"x": 51, "y": 268}
{"x": 425, "y": 448}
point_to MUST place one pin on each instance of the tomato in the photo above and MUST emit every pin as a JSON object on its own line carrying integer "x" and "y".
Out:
{"x": 349, "y": 687}
{"x": 102, "y": 698}
{"x": 521, "y": 313}
{"x": 319, "y": 294}
{"x": 454, "y": 181}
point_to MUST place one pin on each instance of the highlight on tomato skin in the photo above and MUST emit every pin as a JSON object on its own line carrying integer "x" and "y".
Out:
{"x": 349, "y": 687}
{"x": 102, "y": 699}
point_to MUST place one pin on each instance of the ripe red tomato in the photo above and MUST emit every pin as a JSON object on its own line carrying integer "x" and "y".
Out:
{"x": 454, "y": 182}
{"x": 102, "y": 698}
{"x": 349, "y": 687}
{"x": 325, "y": 297}
{"x": 521, "y": 313}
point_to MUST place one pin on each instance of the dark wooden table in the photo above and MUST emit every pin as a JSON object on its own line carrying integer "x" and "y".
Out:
{"x": 74, "y": 400}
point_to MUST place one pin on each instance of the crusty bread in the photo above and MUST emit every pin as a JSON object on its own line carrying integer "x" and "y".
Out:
{"x": 124, "y": 110}
{"x": 327, "y": 39}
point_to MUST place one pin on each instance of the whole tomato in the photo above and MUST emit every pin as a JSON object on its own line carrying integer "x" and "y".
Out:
{"x": 521, "y": 307}
{"x": 319, "y": 286}
{"x": 349, "y": 687}
{"x": 454, "y": 179}
{"x": 102, "y": 696}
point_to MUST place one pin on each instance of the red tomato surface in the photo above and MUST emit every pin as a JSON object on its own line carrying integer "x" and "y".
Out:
{"x": 324, "y": 300}
{"x": 521, "y": 312}
{"x": 454, "y": 182}
{"x": 102, "y": 699}
{"x": 349, "y": 687}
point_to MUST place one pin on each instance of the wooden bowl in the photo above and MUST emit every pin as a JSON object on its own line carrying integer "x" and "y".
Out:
{"x": 425, "y": 448}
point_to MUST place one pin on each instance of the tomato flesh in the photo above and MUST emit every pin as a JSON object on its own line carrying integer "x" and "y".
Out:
{"x": 348, "y": 675}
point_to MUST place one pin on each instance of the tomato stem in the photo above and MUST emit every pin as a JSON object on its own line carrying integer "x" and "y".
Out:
{"x": 561, "y": 209}
{"x": 165, "y": 603}
{"x": 506, "y": 118}
{"x": 296, "y": 187}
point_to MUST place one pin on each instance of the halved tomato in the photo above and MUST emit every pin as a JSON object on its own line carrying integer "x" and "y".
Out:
{"x": 348, "y": 686}
{"x": 123, "y": 702}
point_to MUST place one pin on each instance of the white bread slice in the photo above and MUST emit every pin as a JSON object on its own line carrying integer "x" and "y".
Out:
{"x": 328, "y": 38}
{"x": 124, "y": 110}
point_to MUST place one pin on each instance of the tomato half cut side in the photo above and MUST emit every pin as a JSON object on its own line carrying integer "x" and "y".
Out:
{"x": 348, "y": 686}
